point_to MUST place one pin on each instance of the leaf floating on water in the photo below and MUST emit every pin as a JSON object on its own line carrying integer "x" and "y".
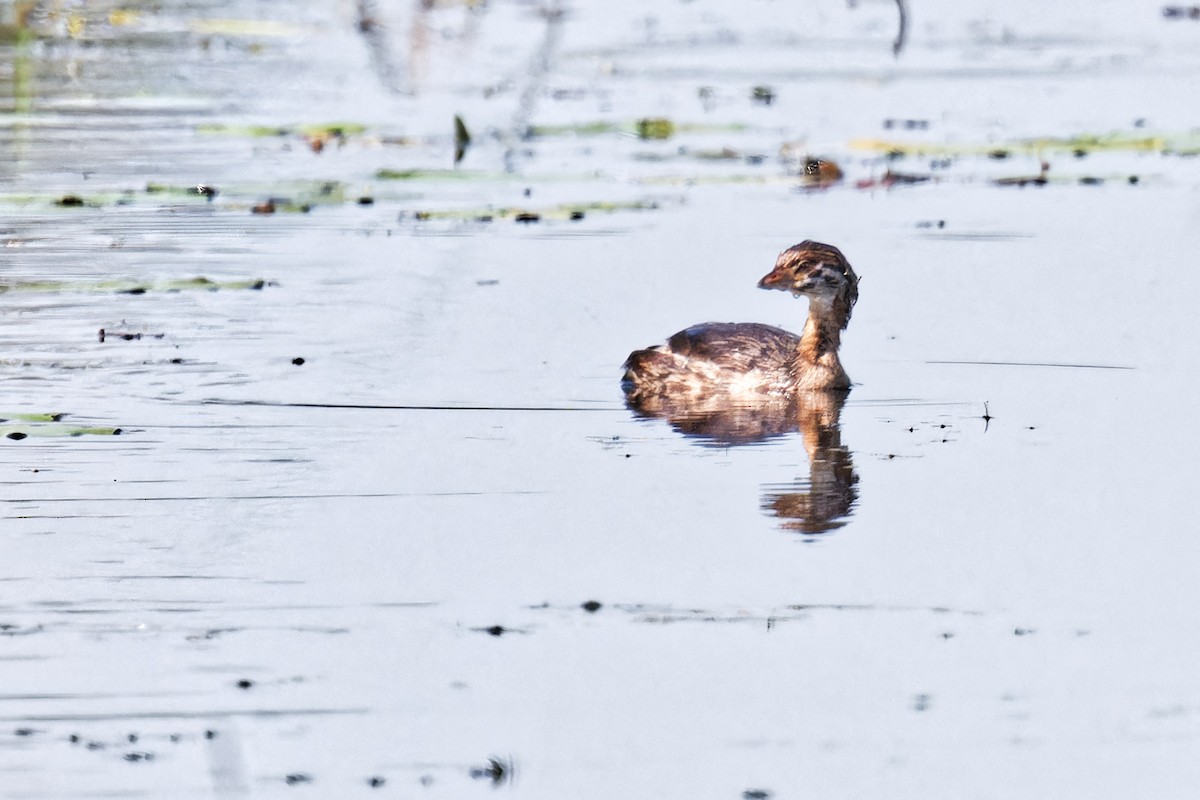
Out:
{"x": 54, "y": 430}
{"x": 31, "y": 417}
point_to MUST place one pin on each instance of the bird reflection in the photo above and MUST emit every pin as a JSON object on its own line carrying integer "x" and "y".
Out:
{"x": 814, "y": 504}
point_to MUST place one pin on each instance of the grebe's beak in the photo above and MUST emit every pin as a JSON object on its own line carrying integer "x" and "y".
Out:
{"x": 777, "y": 279}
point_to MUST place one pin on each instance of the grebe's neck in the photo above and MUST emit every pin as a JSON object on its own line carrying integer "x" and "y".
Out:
{"x": 817, "y": 365}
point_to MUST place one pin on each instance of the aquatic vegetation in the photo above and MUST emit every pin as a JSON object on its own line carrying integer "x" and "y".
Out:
{"x": 1075, "y": 145}
{"x": 23, "y": 425}
{"x": 119, "y": 286}
{"x": 650, "y": 128}
{"x": 566, "y": 211}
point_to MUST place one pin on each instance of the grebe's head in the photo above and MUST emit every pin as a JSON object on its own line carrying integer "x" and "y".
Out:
{"x": 819, "y": 272}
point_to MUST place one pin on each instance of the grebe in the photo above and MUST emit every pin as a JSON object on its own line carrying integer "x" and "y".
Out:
{"x": 748, "y": 362}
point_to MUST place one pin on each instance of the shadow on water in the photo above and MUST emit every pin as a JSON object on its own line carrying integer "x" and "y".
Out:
{"x": 818, "y": 503}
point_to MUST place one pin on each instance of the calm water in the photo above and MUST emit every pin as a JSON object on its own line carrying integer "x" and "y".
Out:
{"x": 285, "y": 579}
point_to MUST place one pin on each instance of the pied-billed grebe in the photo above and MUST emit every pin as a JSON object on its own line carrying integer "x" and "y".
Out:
{"x": 742, "y": 361}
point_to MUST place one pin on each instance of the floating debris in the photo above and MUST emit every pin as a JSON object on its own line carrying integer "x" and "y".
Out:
{"x": 1181, "y": 12}
{"x": 127, "y": 336}
{"x": 497, "y": 770}
{"x": 1025, "y": 180}
{"x": 655, "y": 128}
{"x": 69, "y": 201}
{"x": 820, "y": 173}
{"x": 763, "y": 94}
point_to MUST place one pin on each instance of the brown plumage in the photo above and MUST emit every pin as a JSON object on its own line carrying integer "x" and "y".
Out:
{"x": 749, "y": 362}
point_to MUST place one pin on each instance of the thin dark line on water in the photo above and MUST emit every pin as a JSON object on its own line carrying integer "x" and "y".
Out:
{"x": 260, "y": 712}
{"x": 401, "y": 407}
{"x": 332, "y": 495}
{"x": 906, "y": 402}
{"x": 1030, "y": 364}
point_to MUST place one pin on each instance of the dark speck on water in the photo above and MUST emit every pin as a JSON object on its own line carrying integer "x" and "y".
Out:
{"x": 497, "y": 771}
{"x": 298, "y": 361}
{"x": 297, "y": 777}
{"x": 592, "y": 606}
{"x": 245, "y": 683}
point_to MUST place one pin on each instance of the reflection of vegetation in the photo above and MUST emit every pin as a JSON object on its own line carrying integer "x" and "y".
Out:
{"x": 130, "y": 286}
